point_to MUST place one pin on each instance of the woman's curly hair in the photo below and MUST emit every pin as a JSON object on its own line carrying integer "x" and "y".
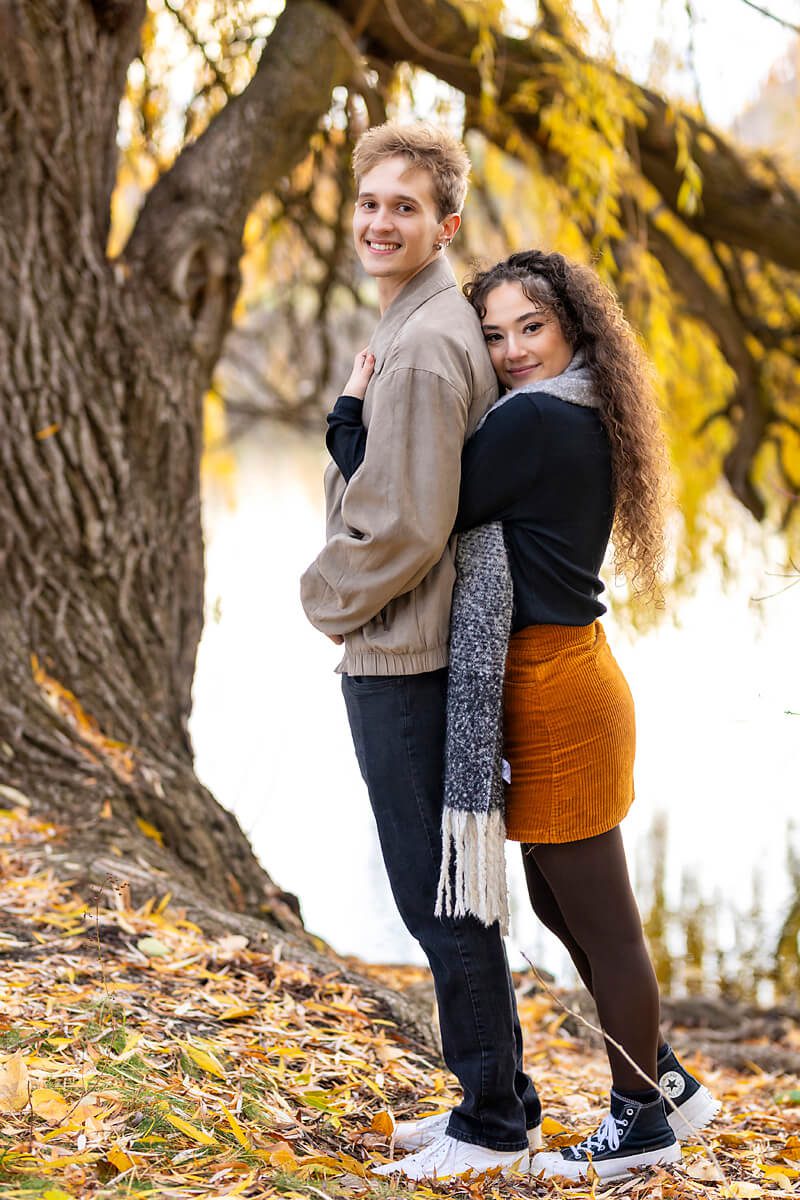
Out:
{"x": 592, "y": 320}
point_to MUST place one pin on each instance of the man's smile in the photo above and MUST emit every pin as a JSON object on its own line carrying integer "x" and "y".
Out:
{"x": 382, "y": 247}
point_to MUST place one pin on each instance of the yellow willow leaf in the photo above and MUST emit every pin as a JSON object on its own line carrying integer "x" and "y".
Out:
{"x": 119, "y": 1159}
{"x": 238, "y": 1132}
{"x": 772, "y": 1171}
{"x": 86, "y": 1108}
{"x": 207, "y": 1061}
{"x": 383, "y": 1122}
{"x": 551, "y": 1126}
{"x": 13, "y": 1084}
{"x": 236, "y": 1011}
{"x": 352, "y": 1165}
{"x": 192, "y": 1131}
{"x": 150, "y": 830}
{"x": 282, "y": 1158}
{"x": 49, "y": 1104}
{"x": 71, "y": 1160}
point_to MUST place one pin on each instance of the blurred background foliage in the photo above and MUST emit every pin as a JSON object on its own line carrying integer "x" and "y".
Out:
{"x": 304, "y": 309}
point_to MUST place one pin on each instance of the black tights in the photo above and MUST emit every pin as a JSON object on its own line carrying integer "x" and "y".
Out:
{"x": 582, "y": 893}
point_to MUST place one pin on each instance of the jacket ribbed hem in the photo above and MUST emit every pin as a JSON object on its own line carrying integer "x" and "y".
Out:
{"x": 379, "y": 662}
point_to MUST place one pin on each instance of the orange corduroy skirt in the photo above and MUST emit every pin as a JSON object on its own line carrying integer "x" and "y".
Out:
{"x": 570, "y": 735}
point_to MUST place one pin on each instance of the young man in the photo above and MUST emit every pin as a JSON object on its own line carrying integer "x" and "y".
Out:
{"x": 383, "y": 585}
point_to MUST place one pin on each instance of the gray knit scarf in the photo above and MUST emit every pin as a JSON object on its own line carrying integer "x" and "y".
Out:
{"x": 473, "y": 873}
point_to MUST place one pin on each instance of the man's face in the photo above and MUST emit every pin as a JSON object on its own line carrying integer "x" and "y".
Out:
{"x": 395, "y": 223}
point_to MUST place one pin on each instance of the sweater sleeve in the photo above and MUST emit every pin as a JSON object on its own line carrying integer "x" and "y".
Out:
{"x": 500, "y": 462}
{"x": 346, "y": 438}
{"x": 399, "y": 507}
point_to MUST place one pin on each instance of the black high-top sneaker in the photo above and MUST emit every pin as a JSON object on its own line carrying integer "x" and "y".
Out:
{"x": 695, "y": 1105}
{"x": 632, "y": 1135}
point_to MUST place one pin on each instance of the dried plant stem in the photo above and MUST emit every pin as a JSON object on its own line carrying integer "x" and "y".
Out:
{"x": 97, "y": 895}
{"x": 652, "y": 1082}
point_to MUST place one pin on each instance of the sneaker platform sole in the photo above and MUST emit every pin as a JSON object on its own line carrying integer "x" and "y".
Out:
{"x": 552, "y": 1165}
{"x": 408, "y": 1136}
{"x": 693, "y": 1115}
{"x": 516, "y": 1163}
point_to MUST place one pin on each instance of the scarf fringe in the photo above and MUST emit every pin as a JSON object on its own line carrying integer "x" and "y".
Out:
{"x": 476, "y": 843}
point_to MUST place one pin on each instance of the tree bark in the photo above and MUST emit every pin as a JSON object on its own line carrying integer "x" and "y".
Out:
{"x": 745, "y": 202}
{"x": 105, "y": 366}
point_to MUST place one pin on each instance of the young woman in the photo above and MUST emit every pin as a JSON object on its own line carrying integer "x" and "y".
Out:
{"x": 570, "y": 456}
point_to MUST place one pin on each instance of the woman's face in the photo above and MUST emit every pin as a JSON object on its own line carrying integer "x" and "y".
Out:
{"x": 524, "y": 339}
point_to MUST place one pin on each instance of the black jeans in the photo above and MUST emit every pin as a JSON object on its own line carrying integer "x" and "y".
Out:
{"x": 398, "y": 727}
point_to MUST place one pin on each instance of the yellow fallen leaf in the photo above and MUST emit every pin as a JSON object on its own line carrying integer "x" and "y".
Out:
{"x": 383, "y": 1122}
{"x": 772, "y": 1171}
{"x": 69, "y": 1160}
{"x": 192, "y": 1131}
{"x": 119, "y": 1159}
{"x": 150, "y": 830}
{"x": 282, "y": 1158}
{"x": 14, "y": 1086}
{"x": 55, "y": 1194}
{"x": 205, "y": 1060}
{"x": 353, "y": 1165}
{"x": 742, "y": 1191}
{"x": 85, "y": 1110}
{"x": 550, "y": 1126}
{"x": 236, "y": 1011}
{"x": 52, "y": 1066}
{"x": 278, "y": 1154}
{"x": 238, "y": 1132}
{"x": 736, "y": 1137}
{"x": 49, "y": 1104}
{"x": 341, "y": 1164}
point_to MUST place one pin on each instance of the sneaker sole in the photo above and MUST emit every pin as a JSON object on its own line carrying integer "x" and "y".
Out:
{"x": 692, "y": 1116}
{"x": 607, "y": 1169}
{"x": 413, "y": 1141}
{"x": 517, "y": 1166}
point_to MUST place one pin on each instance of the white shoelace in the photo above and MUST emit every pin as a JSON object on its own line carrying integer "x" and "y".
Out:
{"x": 606, "y": 1137}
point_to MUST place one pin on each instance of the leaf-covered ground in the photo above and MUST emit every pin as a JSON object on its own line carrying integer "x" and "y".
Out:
{"x": 139, "y": 1057}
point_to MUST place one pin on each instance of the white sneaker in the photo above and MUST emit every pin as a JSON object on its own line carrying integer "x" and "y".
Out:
{"x": 415, "y": 1135}
{"x": 447, "y": 1158}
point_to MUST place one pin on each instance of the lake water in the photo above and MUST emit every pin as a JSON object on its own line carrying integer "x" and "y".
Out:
{"x": 718, "y": 732}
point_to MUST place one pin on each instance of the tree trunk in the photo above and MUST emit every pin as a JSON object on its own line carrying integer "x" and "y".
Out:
{"x": 104, "y": 369}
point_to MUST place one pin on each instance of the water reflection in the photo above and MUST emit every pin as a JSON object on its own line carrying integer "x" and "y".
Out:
{"x": 717, "y": 765}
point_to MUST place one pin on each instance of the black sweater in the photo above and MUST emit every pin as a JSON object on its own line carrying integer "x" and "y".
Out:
{"x": 542, "y": 466}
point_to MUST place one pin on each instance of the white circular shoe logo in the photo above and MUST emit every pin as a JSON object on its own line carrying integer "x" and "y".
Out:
{"x": 673, "y": 1084}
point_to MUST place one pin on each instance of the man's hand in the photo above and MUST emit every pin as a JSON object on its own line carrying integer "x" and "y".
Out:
{"x": 363, "y": 368}
{"x": 336, "y": 638}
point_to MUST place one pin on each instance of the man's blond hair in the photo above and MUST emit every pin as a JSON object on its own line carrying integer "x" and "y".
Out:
{"x": 426, "y": 146}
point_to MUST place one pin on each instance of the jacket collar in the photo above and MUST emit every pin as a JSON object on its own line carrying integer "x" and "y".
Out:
{"x": 436, "y": 277}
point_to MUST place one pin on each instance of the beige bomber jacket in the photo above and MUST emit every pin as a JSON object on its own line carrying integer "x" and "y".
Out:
{"x": 385, "y": 576}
